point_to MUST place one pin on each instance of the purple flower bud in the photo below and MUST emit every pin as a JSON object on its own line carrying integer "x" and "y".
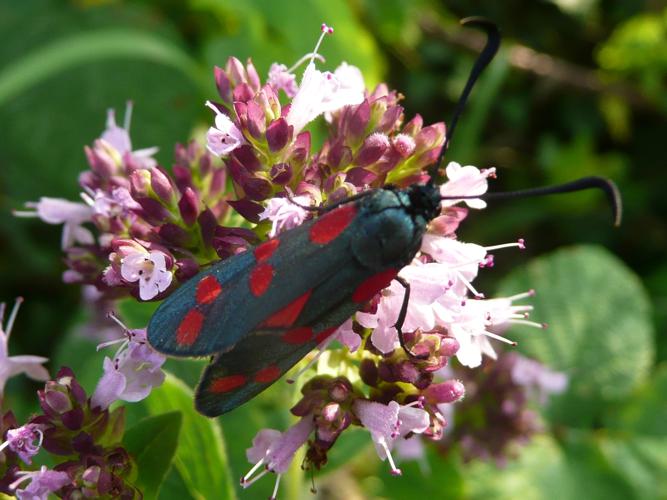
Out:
{"x": 385, "y": 372}
{"x": 413, "y": 127}
{"x": 235, "y": 70}
{"x": 140, "y": 180}
{"x": 359, "y": 119}
{"x": 91, "y": 475}
{"x": 445, "y": 392}
{"x": 390, "y": 119}
{"x": 360, "y": 177}
{"x": 281, "y": 173}
{"x": 449, "y": 346}
{"x": 246, "y": 157}
{"x": 153, "y": 211}
{"x": 218, "y": 181}
{"x": 406, "y": 371}
{"x": 339, "y": 155}
{"x": 368, "y": 372}
{"x": 207, "y": 224}
{"x": 173, "y": 234}
{"x": 340, "y": 390}
{"x": 257, "y": 188}
{"x": 186, "y": 269}
{"x": 247, "y": 209}
{"x": 223, "y": 84}
{"x": 243, "y": 93}
{"x": 278, "y": 134}
{"x": 73, "y": 419}
{"x": 253, "y": 77}
{"x": 188, "y": 205}
{"x": 161, "y": 185}
{"x": 256, "y": 120}
{"x": 404, "y": 145}
{"x": 372, "y": 149}
{"x": 431, "y": 136}
{"x": 300, "y": 148}
{"x": 56, "y": 402}
{"x": 205, "y": 163}
{"x": 183, "y": 177}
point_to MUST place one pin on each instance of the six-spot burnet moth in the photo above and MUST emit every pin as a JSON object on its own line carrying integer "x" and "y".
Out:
{"x": 259, "y": 312}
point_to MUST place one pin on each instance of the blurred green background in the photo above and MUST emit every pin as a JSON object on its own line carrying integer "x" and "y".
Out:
{"x": 579, "y": 88}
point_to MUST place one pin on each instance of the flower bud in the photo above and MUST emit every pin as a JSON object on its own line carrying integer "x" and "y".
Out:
{"x": 372, "y": 149}
{"x": 243, "y": 93}
{"x": 404, "y": 145}
{"x": 413, "y": 127}
{"x": 256, "y": 121}
{"x": 368, "y": 372}
{"x": 186, "y": 269}
{"x": 390, "y": 120}
{"x": 153, "y": 211}
{"x": 247, "y": 209}
{"x": 161, "y": 185}
{"x": 359, "y": 119}
{"x": 278, "y": 134}
{"x": 140, "y": 181}
{"x": 281, "y": 173}
{"x": 223, "y": 84}
{"x": 253, "y": 78}
{"x": 173, "y": 235}
{"x": 445, "y": 392}
{"x": 188, "y": 205}
{"x": 183, "y": 177}
{"x": 449, "y": 346}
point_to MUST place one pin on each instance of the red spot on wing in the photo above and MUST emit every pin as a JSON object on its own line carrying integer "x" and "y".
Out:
{"x": 208, "y": 289}
{"x": 288, "y": 315}
{"x": 266, "y": 249}
{"x": 324, "y": 334}
{"x": 188, "y": 331}
{"x": 268, "y": 374}
{"x": 299, "y": 335}
{"x": 331, "y": 224}
{"x": 227, "y": 384}
{"x": 369, "y": 287}
{"x": 260, "y": 278}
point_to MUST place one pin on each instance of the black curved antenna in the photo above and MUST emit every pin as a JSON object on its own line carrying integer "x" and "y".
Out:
{"x": 606, "y": 185}
{"x": 485, "y": 57}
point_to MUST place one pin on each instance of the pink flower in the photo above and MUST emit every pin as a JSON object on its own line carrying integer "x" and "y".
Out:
{"x": 534, "y": 375}
{"x": 276, "y": 450}
{"x": 25, "y": 441}
{"x": 324, "y": 92}
{"x": 285, "y": 213}
{"x": 281, "y": 78}
{"x": 149, "y": 269}
{"x": 58, "y": 211}
{"x": 119, "y": 139}
{"x": 465, "y": 181}
{"x": 388, "y": 423}
{"x": 15, "y": 365}
{"x": 347, "y": 336}
{"x": 42, "y": 483}
{"x": 132, "y": 374}
{"x": 225, "y": 137}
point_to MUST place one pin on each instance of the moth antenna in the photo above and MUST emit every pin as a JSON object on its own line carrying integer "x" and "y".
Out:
{"x": 606, "y": 185}
{"x": 485, "y": 57}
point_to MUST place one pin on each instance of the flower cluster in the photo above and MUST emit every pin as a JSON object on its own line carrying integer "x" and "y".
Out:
{"x": 143, "y": 230}
{"x": 72, "y": 428}
{"x": 496, "y": 416}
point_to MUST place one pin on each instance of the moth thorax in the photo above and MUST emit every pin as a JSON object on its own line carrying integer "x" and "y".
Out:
{"x": 424, "y": 201}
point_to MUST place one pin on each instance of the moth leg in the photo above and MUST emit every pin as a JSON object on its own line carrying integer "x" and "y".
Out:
{"x": 401, "y": 319}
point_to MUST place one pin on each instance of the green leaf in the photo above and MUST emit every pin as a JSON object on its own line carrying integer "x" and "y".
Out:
{"x": 599, "y": 327}
{"x": 201, "y": 459}
{"x": 645, "y": 412}
{"x": 81, "y": 48}
{"x": 543, "y": 470}
{"x": 153, "y": 443}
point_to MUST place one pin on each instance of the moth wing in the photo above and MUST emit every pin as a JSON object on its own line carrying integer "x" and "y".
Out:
{"x": 270, "y": 283}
